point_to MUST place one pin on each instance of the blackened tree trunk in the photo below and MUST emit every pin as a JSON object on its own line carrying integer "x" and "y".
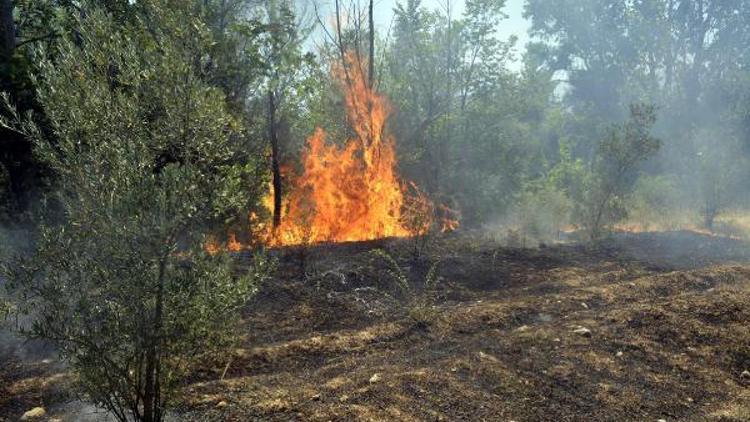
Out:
{"x": 275, "y": 167}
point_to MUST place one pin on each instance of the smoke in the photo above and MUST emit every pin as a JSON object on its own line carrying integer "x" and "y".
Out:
{"x": 82, "y": 412}
{"x": 16, "y": 241}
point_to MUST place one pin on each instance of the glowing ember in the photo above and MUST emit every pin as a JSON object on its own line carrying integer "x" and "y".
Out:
{"x": 450, "y": 220}
{"x": 233, "y": 244}
{"x": 212, "y": 246}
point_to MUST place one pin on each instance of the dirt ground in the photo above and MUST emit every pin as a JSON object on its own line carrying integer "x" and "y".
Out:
{"x": 654, "y": 326}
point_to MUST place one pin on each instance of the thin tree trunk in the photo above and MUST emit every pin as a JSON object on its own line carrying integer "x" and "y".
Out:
{"x": 151, "y": 396}
{"x": 372, "y": 45}
{"x": 340, "y": 44}
{"x": 7, "y": 29}
{"x": 437, "y": 163}
{"x": 275, "y": 167}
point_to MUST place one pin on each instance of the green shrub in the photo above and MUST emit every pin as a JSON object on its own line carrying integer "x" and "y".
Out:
{"x": 542, "y": 213}
{"x": 420, "y": 302}
{"x": 145, "y": 153}
{"x": 654, "y": 203}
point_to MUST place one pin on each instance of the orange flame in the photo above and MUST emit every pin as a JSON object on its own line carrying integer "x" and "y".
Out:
{"x": 350, "y": 193}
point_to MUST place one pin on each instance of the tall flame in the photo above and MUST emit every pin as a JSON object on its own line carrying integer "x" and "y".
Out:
{"x": 350, "y": 193}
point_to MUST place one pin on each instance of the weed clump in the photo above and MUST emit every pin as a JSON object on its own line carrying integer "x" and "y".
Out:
{"x": 420, "y": 300}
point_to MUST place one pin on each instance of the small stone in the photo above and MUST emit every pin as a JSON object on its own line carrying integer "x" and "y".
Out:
{"x": 557, "y": 340}
{"x": 222, "y": 404}
{"x": 745, "y": 375}
{"x": 584, "y": 305}
{"x": 522, "y": 328}
{"x": 316, "y": 397}
{"x": 34, "y": 413}
{"x": 690, "y": 400}
{"x": 375, "y": 378}
{"x": 582, "y": 331}
{"x": 661, "y": 420}
{"x": 619, "y": 354}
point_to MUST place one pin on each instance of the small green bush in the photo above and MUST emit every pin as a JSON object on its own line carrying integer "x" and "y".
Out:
{"x": 420, "y": 303}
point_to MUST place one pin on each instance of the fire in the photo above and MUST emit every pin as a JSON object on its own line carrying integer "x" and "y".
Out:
{"x": 233, "y": 244}
{"x": 352, "y": 192}
{"x": 450, "y": 220}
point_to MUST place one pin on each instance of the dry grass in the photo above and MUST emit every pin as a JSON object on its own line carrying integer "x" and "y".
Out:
{"x": 666, "y": 341}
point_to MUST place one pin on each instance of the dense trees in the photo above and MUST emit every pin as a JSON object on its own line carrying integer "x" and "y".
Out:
{"x": 26, "y": 26}
{"x": 459, "y": 110}
{"x": 680, "y": 55}
{"x": 471, "y": 132}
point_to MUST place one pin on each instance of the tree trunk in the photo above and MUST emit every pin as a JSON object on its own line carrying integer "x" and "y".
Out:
{"x": 152, "y": 411}
{"x": 372, "y": 45}
{"x": 275, "y": 167}
{"x": 7, "y": 30}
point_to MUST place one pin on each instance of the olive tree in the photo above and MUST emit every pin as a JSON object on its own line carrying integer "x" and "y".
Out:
{"x": 144, "y": 150}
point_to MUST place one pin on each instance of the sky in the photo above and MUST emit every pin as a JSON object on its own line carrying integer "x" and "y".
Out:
{"x": 514, "y": 25}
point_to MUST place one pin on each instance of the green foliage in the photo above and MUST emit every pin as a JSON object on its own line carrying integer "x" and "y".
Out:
{"x": 464, "y": 121}
{"x": 654, "y": 202}
{"x": 394, "y": 271}
{"x": 615, "y": 170}
{"x": 420, "y": 306}
{"x": 687, "y": 57}
{"x": 542, "y": 211}
{"x": 718, "y": 185}
{"x": 569, "y": 175}
{"x": 145, "y": 151}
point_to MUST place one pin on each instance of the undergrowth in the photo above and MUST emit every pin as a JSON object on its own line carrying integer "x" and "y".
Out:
{"x": 420, "y": 302}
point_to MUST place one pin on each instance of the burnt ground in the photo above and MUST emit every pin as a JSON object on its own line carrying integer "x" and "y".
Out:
{"x": 500, "y": 338}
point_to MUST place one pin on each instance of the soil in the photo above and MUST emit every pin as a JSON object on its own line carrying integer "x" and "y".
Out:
{"x": 644, "y": 327}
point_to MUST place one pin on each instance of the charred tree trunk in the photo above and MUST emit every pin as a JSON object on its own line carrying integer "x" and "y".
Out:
{"x": 275, "y": 166}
